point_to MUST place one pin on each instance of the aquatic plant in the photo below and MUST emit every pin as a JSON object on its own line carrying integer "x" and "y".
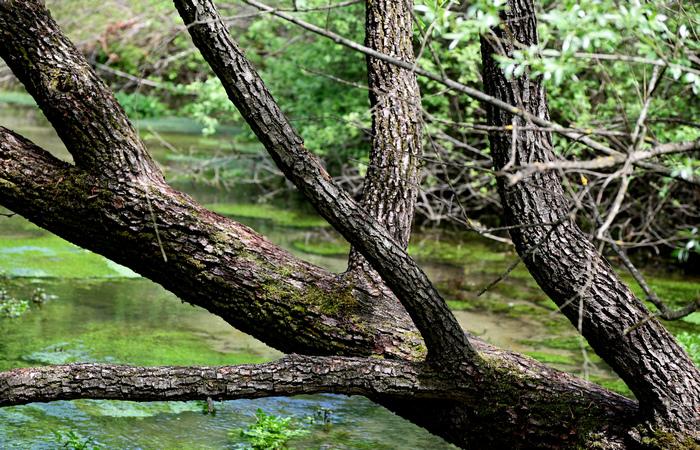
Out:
{"x": 72, "y": 440}
{"x": 10, "y": 306}
{"x": 269, "y": 432}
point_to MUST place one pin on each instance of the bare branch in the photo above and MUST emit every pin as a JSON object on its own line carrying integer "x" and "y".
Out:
{"x": 570, "y": 133}
{"x": 603, "y": 162}
{"x": 302, "y": 10}
{"x": 638, "y": 134}
{"x": 530, "y": 252}
{"x": 82, "y": 117}
{"x": 291, "y": 375}
{"x": 604, "y": 56}
{"x": 664, "y": 311}
{"x": 133, "y": 78}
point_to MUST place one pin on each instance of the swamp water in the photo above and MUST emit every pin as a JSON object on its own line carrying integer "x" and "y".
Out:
{"x": 106, "y": 313}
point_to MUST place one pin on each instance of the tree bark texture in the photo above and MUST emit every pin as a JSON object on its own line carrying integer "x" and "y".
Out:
{"x": 59, "y": 78}
{"x": 444, "y": 338}
{"x": 520, "y": 404}
{"x": 391, "y": 183}
{"x": 213, "y": 262}
{"x": 103, "y": 206}
{"x": 565, "y": 264}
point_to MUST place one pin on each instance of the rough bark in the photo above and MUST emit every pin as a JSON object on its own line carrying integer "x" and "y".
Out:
{"x": 444, "y": 338}
{"x": 391, "y": 183}
{"x": 213, "y": 262}
{"x": 60, "y": 80}
{"x": 565, "y": 264}
{"x": 247, "y": 90}
{"x": 290, "y": 375}
{"x": 520, "y": 402}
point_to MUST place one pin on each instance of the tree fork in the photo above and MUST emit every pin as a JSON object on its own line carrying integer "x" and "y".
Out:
{"x": 508, "y": 391}
{"x": 445, "y": 340}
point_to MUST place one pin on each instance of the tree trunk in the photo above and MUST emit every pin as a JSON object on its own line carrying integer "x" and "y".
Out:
{"x": 391, "y": 183}
{"x": 563, "y": 262}
{"x": 444, "y": 338}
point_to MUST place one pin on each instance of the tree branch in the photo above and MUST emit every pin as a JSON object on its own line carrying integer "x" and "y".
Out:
{"x": 522, "y": 395}
{"x": 291, "y": 375}
{"x": 562, "y": 265}
{"x": 602, "y": 163}
{"x": 75, "y": 100}
{"x": 663, "y": 310}
{"x": 573, "y": 134}
{"x": 213, "y": 262}
{"x": 444, "y": 338}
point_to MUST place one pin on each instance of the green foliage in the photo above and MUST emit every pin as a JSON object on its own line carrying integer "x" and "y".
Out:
{"x": 608, "y": 48}
{"x": 331, "y": 116}
{"x": 141, "y": 106}
{"x": 209, "y": 104}
{"x": 278, "y": 216}
{"x": 692, "y": 243}
{"x": 72, "y": 440}
{"x": 691, "y": 343}
{"x": 11, "y": 307}
{"x": 595, "y": 56}
{"x": 573, "y": 31}
{"x": 322, "y": 416}
{"x": 437, "y": 16}
{"x": 269, "y": 432}
{"x": 686, "y": 167}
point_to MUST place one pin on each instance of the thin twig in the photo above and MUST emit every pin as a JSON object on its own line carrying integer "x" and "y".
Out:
{"x": 454, "y": 85}
{"x": 638, "y": 133}
{"x": 528, "y": 253}
{"x": 155, "y": 226}
{"x": 663, "y": 310}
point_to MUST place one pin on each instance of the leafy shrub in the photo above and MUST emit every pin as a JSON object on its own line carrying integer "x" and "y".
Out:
{"x": 142, "y": 106}
{"x": 11, "y": 307}
{"x": 691, "y": 344}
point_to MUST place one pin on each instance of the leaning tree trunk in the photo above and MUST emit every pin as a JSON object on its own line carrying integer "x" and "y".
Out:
{"x": 559, "y": 256}
{"x": 465, "y": 388}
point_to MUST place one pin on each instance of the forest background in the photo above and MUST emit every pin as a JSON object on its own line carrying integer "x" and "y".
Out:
{"x": 598, "y": 58}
